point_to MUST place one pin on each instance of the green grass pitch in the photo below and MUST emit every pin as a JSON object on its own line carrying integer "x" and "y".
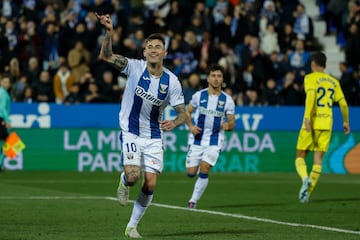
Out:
{"x": 72, "y": 206}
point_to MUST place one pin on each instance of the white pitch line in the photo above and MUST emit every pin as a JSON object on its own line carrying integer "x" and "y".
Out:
{"x": 233, "y": 215}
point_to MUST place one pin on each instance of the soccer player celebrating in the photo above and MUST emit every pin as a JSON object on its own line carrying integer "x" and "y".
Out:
{"x": 315, "y": 134}
{"x": 150, "y": 87}
{"x": 214, "y": 113}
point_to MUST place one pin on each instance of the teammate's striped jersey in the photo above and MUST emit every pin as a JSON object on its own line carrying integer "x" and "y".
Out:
{"x": 327, "y": 90}
{"x": 145, "y": 97}
{"x": 210, "y": 113}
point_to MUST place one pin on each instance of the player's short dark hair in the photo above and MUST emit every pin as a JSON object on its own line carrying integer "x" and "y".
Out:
{"x": 216, "y": 67}
{"x": 319, "y": 58}
{"x": 155, "y": 36}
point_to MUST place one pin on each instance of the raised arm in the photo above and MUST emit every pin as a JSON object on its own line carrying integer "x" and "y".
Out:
{"x": 106, "y": 52}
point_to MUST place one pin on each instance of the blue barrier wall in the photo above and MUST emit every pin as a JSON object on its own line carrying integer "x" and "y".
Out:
{"x": 106, "y": 116}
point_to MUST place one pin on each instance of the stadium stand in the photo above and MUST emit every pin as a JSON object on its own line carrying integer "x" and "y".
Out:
{"x": 261, "y": 44}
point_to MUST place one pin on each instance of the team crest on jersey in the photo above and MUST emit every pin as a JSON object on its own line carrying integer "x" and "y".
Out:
{"x": 163, "y": 88}
{"x": 221, "y": 104}
{"x": 130, "y": 155}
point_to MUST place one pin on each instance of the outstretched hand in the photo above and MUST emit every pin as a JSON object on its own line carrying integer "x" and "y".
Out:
{"x": 105, "y": 20}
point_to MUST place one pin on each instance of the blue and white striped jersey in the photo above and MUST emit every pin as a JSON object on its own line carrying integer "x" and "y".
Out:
{"x": 210, "y": 113}
{"x": 145, "y": 97}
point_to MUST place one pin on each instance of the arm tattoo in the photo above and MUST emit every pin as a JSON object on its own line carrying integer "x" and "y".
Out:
{"x": 117, "y": 61}
{"x": 120, "y": 62}
{"x": 180, "y": 110}
{"x": 107, "y": 46}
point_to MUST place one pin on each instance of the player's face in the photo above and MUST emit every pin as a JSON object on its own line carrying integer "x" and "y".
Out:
{"x": 154, "y": 51}
{"x": 215, "y": 79}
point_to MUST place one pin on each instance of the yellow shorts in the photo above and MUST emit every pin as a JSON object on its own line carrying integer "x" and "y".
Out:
{"x": 317, "y": 140}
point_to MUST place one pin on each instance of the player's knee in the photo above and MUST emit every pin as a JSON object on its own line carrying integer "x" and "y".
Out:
{"x": 132, "y": 180}
{"x": 191, "y": 175}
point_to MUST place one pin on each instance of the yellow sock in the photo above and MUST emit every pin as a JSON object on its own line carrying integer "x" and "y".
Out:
{"x": 314, "y": 176}
{"x": 301, "y": 168}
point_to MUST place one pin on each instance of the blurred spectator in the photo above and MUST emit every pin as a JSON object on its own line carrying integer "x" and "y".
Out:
{"x": 92, "y": 95}
{"x": 11, "y": 33}
{"x": 348, "y": 83}
{"x": 286, "y": 11}
{"x": 303, "y": 26}
{"x": 50, "y": 47}
{"x": 270, "y": 95}
{"x": 30, "y": 12}
{"x": 82, "y": 34}
{"x": 78, "y": 59}
{"x": 192, "y": 43}
{"x": 32, "y": 71}
{"x": 333, "y": 15}
{"x": 287, "y": 38}
{"x": 222, "y": 31}
{"x": 18, "y": 87}
{"x": 28, "y": 95}
{"x": 299, "y": 61}
{"x": 122, "y": 10}
{"x": 9, "y": 9}
{"x": 14, "y": 69}
{"x": 269, "y": 40}
{"x": 109, "y": 89}
{"x": 99, "y": 6}
{"x": 248, "y": 79}
{"x": 175, "y": 20}
{"x": 290, "y": 95}
{"x": 352, "y": 48}
{"x": 276, "y": 67}
{"x": 43, "y": 88}
{"x": 63, "y": 81}
{"x": 48, "y": 15}
{"x": 134, "y": 44}
{"x": 161, "y": 6}
{"x": 357, "y": 81}
{"x": 29, "y": 42}
{"x": 93, "y": 29}
{"x": 190, "y": 86}
{"x": 74, "y": 97}
{"x": 200, "y": 11}
{"x": 268, "y": 15}
{"x": 251, "y": 98}
{"x": 84, "y": 83}
{"x": 253, "y": 54}
{"x": 68, "y": 21}
{"x": 219, "y": 11}
{"x": 229, "y": 62}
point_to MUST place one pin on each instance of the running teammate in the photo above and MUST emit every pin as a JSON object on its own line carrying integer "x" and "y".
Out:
{"x": 213, "y": 113}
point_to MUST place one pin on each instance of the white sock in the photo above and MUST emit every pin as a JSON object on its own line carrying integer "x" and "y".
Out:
{"x": 199, "y": 188}
{"x": 140, "y": 206}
